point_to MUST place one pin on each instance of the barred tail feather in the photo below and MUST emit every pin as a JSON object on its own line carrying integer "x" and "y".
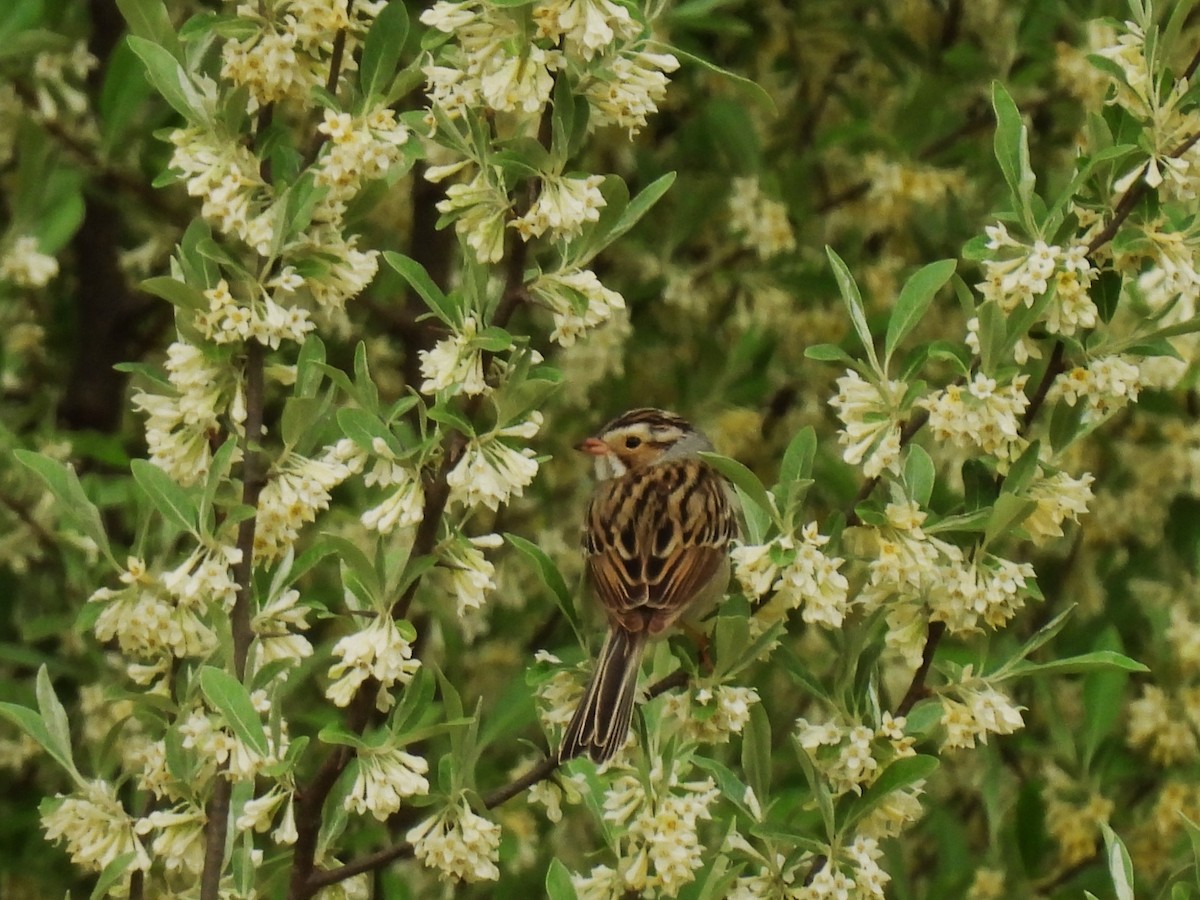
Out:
{"x": 601, "y": 721}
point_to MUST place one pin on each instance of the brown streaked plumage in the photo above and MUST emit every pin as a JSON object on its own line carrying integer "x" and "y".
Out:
{"x": 656, "y": 538}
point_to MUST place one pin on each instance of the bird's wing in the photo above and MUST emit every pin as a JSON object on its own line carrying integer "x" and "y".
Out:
{"x": 655, "y": 538}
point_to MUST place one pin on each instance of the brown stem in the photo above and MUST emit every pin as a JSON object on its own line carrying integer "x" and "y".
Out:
{"x": 1054, "y": 367}
{"x": 1130, "y": 198}
{"x": 253, "y": 478}
{"x": 916, "y": 689}
{"x": 339, "y": 50}
{"x": 44, "y": 538}
{"x": 310, "y": 799}
{"x": 1191, "y": 68}
{"x": 217, "y": 813}
{"x": 304, "y": 879}
{"x": 908, "y": 431}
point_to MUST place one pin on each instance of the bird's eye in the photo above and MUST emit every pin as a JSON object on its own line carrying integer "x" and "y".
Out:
{"x": 632, "y": 442}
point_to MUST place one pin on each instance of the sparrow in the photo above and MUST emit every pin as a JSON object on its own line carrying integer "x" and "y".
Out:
{"x": 656, "y": 539}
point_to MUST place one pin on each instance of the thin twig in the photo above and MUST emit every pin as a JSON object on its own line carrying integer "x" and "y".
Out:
{"x": 217, "y": 824}
{"x": 916, "y": 688}
{"x": 43, "y": 537}
{"x": 1054, "y": 367}
{"x": 1130, "y": 198}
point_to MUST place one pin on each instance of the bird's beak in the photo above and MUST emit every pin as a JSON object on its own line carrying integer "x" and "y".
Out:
{"x": 592, "y": 445}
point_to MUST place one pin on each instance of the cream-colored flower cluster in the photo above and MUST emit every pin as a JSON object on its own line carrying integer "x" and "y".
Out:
{"x": 404, "y": 506}
{"x": 850, "y": 871}
{"x": 982, "y": 415}
{"x": 659, "y": 848}
{"x": 277, "y": 626}
{"x": 1020, "y": 274}
{"x": 455, "y": 363}
{"x": 872, "y": 421}
{"x": 1074, "y": 814}
{"x": 219, "y": 749}
{"x": 850, "y": 756}
{"x": 711, "y": 715}
{"x": 225, "y": 175}
{"x": 258, "y": 814}
{"x": 157, "y": 616}
{"x": 916, "y": 578}
{"x": 288, "y": 53}
{"x": 379, "y": 651}
{"x": 60, "y": 89}
{"x": 897, "y": 187}
{"x": 1104, "y": 386}
{"x": 459, "y": 843}
{"x": 297, "y": 489}
{"x": 95, "y": 827}
{"x": 360, "y": 149}
{"x": 230, "y": 321}
{"x": 180, "y": 425}
{"x": 1059, "y": 497}
{"x": 565, "y": 203}
{"x": 578, "y": 302}
{"x": 1164, "y": 727}
{"x": 25, "y": 266}
{"x": 468, "y": 577}
{"x": 386, "y": 776}
{"x": 492, "y": 471}
{"x": 1163, "y": 108}
{"x": 797, "y": 574}
{"x": 760, "y": 221}
{"x": 622, "y": 82}
{"x": 980, "y": 710}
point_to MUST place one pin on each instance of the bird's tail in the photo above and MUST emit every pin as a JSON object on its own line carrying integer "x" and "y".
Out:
{"x": 601, "y": 721}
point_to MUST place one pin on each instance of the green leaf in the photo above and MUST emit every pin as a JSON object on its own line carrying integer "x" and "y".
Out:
{"x": 1103, "y": 691}
{"x": 732, "y": 788}
{"x": 230, "y": 698}
{"x": 743, "y": 479}
{"x": 1022, "y": 472}
{"x": 854, "y": 305}
{"x": 1066, "y": 423}
{"x": 756, "y": 752}
{"x": 170, "y": 79}
{"x": 1008, "y": 512}
{"x": 818, "y": 788}
{"x": 381, "y": 50}
{"x": 1041, "y": 637}
{"x": 74, "y": 505}
{"x": 558, "y": 882}
{"x": 111, "y": 875}
{"x": 1012, "y": 151}
{"x": 337, "y": 733}
{"x": 916, "y": 295}
{"x": 551, "y": 577}
{"x": 829, "y": 353}
{"x": 640, "y": 205}
{"x": 1120, "y": 867}
{"x": 900, "y": 774}
{"x": 148, "y": 19}
{"x": 414, "y": 273}
{"x": 363, "y": 428}
{"x": 168, "y": 497}
{"x": 31, "y": 723}
{"x": 53, "y": 714}
{"x": 745, "y": 86}
{"x": 178, "y": 292}
{"x": 799, "y": 455}
{"x": 1073, "y": 665}
{"x": 919, "y": 474}
{"x": 1193, "y": 833}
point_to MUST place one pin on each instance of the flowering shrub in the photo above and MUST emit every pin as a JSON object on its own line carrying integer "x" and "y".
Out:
{"x": 305, "y": 302}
